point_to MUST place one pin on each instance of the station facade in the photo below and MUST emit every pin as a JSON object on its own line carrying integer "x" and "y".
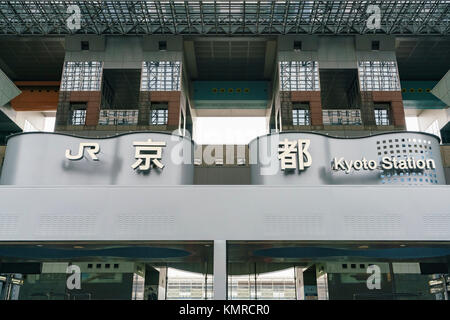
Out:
{"x": 336, "y": 201}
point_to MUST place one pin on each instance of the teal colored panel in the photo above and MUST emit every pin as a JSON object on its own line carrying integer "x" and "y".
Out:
{"x": 230, "y": 104}
{"x": 423, "y": 104}
{"x": 417, "y": 95}
{"x": 231, "y": 90}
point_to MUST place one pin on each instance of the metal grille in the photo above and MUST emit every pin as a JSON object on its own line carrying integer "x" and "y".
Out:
{"x": 300, "y": 117}
{"x": 159, "y": 115}
{"x": 78, "y": 117}
{"x": 378, "y": 76}
{"x": 382, "y": 117}
{"x": 225, "y": 17}
{"x": 342, "y": 117}
{"x": 81, "y": 76}
{"x": 160, "y": 76}
{"x": 118, "y": 117}
{"x": 299, "y": 76}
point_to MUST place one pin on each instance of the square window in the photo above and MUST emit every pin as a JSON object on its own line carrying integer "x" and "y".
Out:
{"x": 344, "y": 266}
{"x": 84, "y": 45}
{"x": 353, "y": 266}
{"x": 382, "y": 116}
{"x": 107, "y": 266}
{"x": 78, "y": 114}
{"x": 375, "y": 45}
{"x": 98, "y": 266}
{"x": 162, "y": 45}
{"x": 159, "y": 114}
{"x": 300, "y": 115}
{"x": 116, "y": 266}
{"x": 297, "y": 45}
{"x": 89, "y": 265}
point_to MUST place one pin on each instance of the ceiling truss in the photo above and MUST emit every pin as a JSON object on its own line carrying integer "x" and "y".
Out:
{"x": 225, "y": 17}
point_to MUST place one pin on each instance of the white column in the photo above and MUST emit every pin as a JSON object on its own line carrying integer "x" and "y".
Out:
{"x": 220, "y": 270}
{"x": 162, "y": 285}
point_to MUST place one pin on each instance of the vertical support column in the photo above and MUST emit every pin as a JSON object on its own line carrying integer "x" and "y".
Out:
{"x": 162, "y": 286}
{"x": 367, "y": 109}
{"x": 220, "y": 269}
{"x": 5, "y": 292}
{"x": 144, "y": 108}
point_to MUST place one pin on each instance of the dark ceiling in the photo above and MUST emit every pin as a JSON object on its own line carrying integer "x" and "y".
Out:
{"x": 230, "y": 60}
{"x": 32, "y": 59}
{"x": 424, "y": 58}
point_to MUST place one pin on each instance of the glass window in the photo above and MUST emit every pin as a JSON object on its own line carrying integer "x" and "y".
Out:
{"x": 342, "y": 117}
{"x": 159, "y": 114}
{"x": 118, "y": 117}
{"x": 378, "y": 76}
{"x": 81, "y": 76}
{"x": 299, "y": 76}
{"x": 433, "y": 128}
{"x": 300, "y": 116}
{"x": 160, "y": 76}
{"x": 382, "y": 117}
{"x": 78, "y": 117}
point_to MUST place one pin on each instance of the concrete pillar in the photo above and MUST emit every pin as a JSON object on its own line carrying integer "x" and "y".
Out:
{"x": 220, "y": 269}
{"x": 162, "y": 283}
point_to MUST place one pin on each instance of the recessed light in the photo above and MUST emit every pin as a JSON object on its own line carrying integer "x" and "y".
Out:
{"x": 403, "y": 245}
{"x": 363, "y": 247}
{"x": 78, "y": 247}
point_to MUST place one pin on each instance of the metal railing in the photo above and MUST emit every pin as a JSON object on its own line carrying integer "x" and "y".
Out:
{"x": 342, "y": 117}
{"x": 118, "y": 117}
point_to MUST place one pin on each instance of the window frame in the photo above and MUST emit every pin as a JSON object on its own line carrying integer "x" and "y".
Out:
{"x": 298, "y": 119}
{"x": 74, "y": 108}
{"x": 382, "y": 119}
{"x": 155, "y": 109}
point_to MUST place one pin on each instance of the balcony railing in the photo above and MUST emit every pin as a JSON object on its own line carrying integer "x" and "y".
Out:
{"x": 118, "y": 117}
{"x": 350, "y": 117}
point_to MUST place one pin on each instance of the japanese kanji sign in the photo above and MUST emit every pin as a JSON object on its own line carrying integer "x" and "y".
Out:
{"x": 293, "y": 153}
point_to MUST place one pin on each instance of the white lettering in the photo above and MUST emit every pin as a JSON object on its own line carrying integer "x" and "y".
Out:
{"x": 374, "y": 280}
{"x": 386, "y": 163}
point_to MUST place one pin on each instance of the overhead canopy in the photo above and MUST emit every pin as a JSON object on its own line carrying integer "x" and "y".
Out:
{"x": 224, "y": 17}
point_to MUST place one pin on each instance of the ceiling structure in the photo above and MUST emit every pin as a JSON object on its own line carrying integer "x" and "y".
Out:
{"x": 230, "y": 60}
{"x": 423, "y": 58}
{"x": 222, "y": 17}
{"x": 32, "y": 58}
